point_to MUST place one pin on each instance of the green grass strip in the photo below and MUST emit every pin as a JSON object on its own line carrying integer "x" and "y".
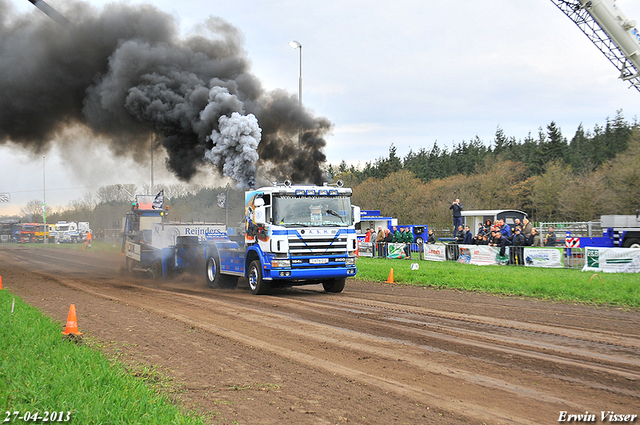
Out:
{"x": 615, "y": 289}
{"x": 42, "y": 372}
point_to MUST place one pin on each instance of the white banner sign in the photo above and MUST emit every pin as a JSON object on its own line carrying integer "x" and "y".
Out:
{"x": 435, "y": 252}
{"x": 480, "y": 255}
{"x": 543, "y": 257}
{"x": 613, "y": 260}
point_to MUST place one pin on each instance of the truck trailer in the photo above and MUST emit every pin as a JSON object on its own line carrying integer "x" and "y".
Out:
{"x": 618, "y": 231}
{"x": 290, "y": 235}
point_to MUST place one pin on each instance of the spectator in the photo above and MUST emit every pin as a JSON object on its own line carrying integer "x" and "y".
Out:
{"x": 397, "y": 236}
{"x": 468, "y": 236}
{"x": 380, "y": 242}
{"x": 431, "y": 237}
{"x": 456, "y": 206}
{"x": 517, "y": 223}
{"x": 480, "y": 230}
{"x": 487, "y": 226}
{"x": 499, "y": 242}
{"x": 534, "y": 238}
{"x": 519, "y": 241}
{"x": 367, "y": 236}
{"x": 550, "y": 240}
{"x": 505, "y": 229}
{"x": 518, "y": 238}
{"x": 408, "y": 240}
{"x": 526, "y": 228}
{"x": 460, "y": 235}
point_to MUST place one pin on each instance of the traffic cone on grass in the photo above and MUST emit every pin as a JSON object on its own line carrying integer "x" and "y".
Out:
{"x": 390, "y": 278}
{"x": 72, "y": 322}
{"x": 0, "y": 282}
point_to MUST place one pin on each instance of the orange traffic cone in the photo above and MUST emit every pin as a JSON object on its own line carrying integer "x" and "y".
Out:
{"x": 0, "y": 282}
{"x": 390, "y": 278}
{"x": 72, "y": 322}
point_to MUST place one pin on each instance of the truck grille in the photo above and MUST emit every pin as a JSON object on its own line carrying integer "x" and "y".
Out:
{"x": 317, "y": 246}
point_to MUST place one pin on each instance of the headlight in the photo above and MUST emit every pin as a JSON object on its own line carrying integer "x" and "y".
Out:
{"x": 351, "y": 261}
{"x": 280, "y": 263}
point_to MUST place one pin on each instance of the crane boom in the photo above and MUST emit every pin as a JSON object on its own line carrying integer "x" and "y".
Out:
{"x": 611, "y": 31}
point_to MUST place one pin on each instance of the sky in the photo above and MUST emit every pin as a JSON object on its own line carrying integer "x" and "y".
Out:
{"x": 407, "y": 73}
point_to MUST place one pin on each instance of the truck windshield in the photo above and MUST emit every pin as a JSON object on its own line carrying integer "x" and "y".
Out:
{"x": 308, "y": 211}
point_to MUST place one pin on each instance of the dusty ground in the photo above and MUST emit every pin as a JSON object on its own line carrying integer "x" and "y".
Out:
{"x": 374, "y": 354}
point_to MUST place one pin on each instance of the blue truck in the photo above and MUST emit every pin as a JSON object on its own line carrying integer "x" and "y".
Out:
{"x": 290, "y": 235}
{"x": 373, "y": 218}
{"x": 618, "y": 231}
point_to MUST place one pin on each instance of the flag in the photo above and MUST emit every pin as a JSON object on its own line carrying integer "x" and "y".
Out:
{"x": 222, "y": 200}
{"x": 157, "y": 203}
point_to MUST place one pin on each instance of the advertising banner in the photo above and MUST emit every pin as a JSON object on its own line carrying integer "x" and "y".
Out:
{"x": 396, "y": 250}
{"x": 543, "y": 257}
{"x": 435, "y": 252}
{"x": 480, "y": 255}
{"x": 613, "y": 260}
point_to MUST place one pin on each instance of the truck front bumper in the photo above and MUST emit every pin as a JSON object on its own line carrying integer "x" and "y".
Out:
{"x": 308, "y": 274}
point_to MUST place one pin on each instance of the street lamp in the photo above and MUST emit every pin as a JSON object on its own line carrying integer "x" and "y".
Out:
{"x": 44, "y": 200}
{"x": 296, "y": 45}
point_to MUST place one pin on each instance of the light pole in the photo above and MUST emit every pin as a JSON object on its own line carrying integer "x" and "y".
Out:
{"x": 296, "y": 45}
{"x": 44, "y": 200}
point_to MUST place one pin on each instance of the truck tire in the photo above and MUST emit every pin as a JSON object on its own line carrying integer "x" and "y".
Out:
{"x": 256, "y": 283}
{"x": 215, "y": 279}
{"x": 212, "y": 271}
{"x": 632, "y": 243}
{"x": 334, "y": 285}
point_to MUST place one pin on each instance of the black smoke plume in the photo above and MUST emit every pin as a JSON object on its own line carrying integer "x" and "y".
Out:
{"x": 126, "y": 74}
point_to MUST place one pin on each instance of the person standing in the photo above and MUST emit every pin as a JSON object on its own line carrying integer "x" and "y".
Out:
{"x": 380, "y": 242}
{"x": 550, "y": 240}
{"x": 468, "y": 236}
{"x": 408, "y": 240}
{"x": 527, "y": 228}
{"x": 456, "y": 206}
{"x": 431, "y": 238}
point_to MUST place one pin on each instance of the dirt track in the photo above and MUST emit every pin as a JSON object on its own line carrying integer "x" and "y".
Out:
{"x": 374, "y": 354}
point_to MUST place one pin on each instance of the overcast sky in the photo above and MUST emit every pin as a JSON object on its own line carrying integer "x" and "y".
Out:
{"x": 407, "y": 73}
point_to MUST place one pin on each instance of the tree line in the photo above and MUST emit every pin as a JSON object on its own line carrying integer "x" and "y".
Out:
{"x": 549, "y": 177}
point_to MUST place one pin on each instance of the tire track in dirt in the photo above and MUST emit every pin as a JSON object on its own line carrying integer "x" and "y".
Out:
{"x": 290, "y": 335}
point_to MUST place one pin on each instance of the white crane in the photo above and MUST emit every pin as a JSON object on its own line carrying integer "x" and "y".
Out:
{"x": 611, "y": 31}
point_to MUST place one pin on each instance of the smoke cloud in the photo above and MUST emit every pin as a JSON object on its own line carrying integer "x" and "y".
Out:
{"x": 124, "y": 73}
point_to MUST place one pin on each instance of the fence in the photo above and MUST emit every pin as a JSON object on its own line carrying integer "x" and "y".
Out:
{"x": 551, "y": 257}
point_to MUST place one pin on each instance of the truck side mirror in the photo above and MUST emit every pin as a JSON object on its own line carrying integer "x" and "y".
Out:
{"x": 356, "y": 213}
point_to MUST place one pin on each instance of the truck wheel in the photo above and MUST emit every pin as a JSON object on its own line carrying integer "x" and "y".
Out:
{"x": 213, "y": 271}
{"x": 334, "y": 285}
{"x": 256, "y": 283}
{"x": 632, "y": 243}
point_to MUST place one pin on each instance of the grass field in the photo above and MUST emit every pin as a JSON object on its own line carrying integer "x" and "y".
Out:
{"x": 616, "y": 289}
{"x": 42, "y": 372}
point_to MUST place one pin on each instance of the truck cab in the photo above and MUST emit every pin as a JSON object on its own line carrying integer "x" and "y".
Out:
{"x": 293, "y": 235}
